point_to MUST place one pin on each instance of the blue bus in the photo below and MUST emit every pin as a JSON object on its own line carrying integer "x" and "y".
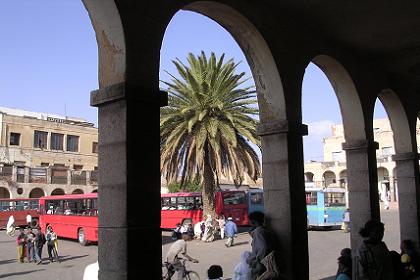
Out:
{"x": 325, "y": 207}
{"x": 255, "y": 200}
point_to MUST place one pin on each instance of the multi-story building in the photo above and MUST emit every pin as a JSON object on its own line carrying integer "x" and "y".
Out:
{"x": 44, "y": 154}
{"x": 332, "y": 171}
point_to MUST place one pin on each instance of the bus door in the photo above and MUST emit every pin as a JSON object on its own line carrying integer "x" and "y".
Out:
{"x": 335, "y": 205}
{"x": 314, "y": 208}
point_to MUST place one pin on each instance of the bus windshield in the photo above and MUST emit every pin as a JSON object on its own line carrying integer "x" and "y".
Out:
{"x": 334, "y": 199}
{"x": 18, "y": 205}
{"x": 233, "y": 198}
{"x": 256, "y": 198}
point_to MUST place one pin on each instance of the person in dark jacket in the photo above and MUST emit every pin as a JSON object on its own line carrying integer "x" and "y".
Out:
{"x": 38, "y": 244}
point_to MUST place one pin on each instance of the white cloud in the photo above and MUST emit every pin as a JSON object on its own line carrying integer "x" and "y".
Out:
{"x": 320, "y": 128}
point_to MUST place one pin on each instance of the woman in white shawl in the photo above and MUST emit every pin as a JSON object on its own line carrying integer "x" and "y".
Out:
{"x": 242, "y": 270}
{"x": 208, "y": 235}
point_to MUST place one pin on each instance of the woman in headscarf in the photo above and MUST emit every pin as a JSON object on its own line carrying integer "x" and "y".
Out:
{"x": 242, "y": 270}
{"x": 374, "y": 261}
{"x": 208, "y": 235}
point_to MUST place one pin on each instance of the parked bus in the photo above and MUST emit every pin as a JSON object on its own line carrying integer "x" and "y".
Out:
{"x": 19, "y": 208}
{"x": 255, "y": 200}
{"x": 188, "y": 207}
{"x": 71, "y": 216}
{"x": 325, "y": 207}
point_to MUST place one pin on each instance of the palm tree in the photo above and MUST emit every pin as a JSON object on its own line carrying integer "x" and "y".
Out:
{"x": 208, "y": 125}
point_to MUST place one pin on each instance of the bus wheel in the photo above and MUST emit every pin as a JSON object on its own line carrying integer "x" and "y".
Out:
{"x": 34, "y": 223}
{"x": 82, "y": 238}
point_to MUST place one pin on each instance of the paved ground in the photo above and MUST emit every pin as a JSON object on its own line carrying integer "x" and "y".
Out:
{"x": 74, "y": 259}
{"x": 324, "y": 247}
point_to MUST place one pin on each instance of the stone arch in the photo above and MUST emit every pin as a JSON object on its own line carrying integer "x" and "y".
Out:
{"x": 95, "y": 191}
{"x": 268, "y": 84}
{"x": 348, "y": 98}
{"x": 77, "y": 191}
{"x": 329, "y": 178}
{"x": 109, "y": 32}
{"x": 58, "y": 191}
{"x": 4, "y": 193}
{"x": 309, "y": 177}
{"x": 343, "y": 178}
{"x": 36, "y": 193}
{"x": 398, "y": 120}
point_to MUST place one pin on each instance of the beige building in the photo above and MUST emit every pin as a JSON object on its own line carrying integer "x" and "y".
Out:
{"x": 43, "y": 154}
{"x": 332, "y": 171}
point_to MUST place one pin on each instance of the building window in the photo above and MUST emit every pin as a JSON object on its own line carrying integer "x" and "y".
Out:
{"x": 57, "y": 141}
{"x": 14, "y": 139}
{"x": 72, "y": 143}
{"x": 95, "y": 147}
{"x": 336, "y": 156}
{"x": 387, "y": 151}
{"x": 40, "y": 139}
{"x": 45, "y": 164}
{"x": 77, "y": 167}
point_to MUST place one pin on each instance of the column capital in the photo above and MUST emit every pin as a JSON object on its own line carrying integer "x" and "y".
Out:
{"x": 405, "y": 156}
{"x": 359, "y": 145}
{"x": 124, "y": 91}
{"x": 280, "y": 127}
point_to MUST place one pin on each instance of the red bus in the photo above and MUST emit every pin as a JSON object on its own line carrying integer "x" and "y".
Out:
{"x": 19, "y": 208}
{"x": 71, "y": 216}
{"x": 188, "y": 208}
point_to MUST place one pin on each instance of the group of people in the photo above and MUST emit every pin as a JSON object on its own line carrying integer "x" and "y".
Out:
{"x": 30, "y": 242}
{"x": 207, "y": 230}
{"x": 259, "y": 263}
{"x": 375, "y": 262}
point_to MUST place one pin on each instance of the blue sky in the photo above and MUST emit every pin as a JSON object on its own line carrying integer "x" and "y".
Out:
{"x": 49, "y": 62}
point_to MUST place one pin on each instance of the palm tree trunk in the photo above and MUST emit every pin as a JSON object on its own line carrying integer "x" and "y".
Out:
{"x": 209, "y": 187}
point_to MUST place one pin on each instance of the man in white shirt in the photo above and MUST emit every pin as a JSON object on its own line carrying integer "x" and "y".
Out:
{"x": 177, "y": 251}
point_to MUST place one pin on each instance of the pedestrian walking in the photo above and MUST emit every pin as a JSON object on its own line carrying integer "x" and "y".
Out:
{"x": 374, "y": 261}
{"x": 20, "y": 241}
{"x": 346, "y": 221}
{"x": 231, "y": 230}
{"x": 51, "y": 238}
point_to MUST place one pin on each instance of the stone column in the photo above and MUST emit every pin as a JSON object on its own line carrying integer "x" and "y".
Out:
{"x": 129, "y": 179}
{"x": 284, "y": 193}
{"x": 362, "y": 185}
{"x": 26, "y": 178}
{"x": 408, "y": 194}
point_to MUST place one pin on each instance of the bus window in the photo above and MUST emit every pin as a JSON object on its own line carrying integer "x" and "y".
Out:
{"x": 166, "y": 203}
{"x": 172, "y": 205}
{"x": 181, "y": 203}
{"x": 256, "y": 198}
{"x": 198, "y": 202}
{"x": 311, "y": 198}
{"x": 189, "y": 200}
{"x": 233, "y": 198}
{"x": 334, "y": 199}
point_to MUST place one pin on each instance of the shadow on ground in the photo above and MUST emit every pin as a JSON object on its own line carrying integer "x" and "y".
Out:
{"x": 328, "y": 278}
{"x": 19, "y": 273}
{"x": 8, "y": 261}
{"x": 68, "y": 258}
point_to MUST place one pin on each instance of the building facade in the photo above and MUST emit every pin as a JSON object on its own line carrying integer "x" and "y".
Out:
{"x": 46, "y": 154}
{"x": 332, "y": 172}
